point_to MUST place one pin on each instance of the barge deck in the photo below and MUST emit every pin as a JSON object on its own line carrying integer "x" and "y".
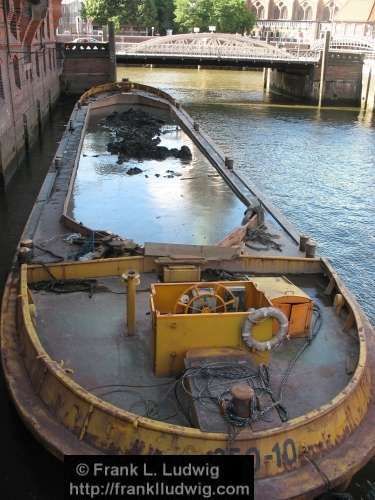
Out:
{"x": 86, "y": 333}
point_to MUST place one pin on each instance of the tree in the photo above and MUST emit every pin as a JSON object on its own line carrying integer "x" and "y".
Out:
{"x": 232, "y": 16}
{"x": 118, "y": 11}
{"x": 193, "y": 13}
{"x": 100, "y": 11}
{"x": 165, "y": 12}
{"x": 148, "y": 14}
{"x": 229, "y": 16}
{"x": 130, "y": 12}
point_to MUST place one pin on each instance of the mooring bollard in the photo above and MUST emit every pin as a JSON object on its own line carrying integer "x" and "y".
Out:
{"x": 25, "y": 255}
{"x": 303, "y": 239}
{"x": 132, "y": 280}
{"x": 242, "y": 396}
{"x": 229, "y": 163}
{"x": 25, "y": 252}
{"x": 310, "y": 248}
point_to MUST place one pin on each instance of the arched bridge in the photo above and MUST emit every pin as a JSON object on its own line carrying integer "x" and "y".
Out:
{"x": 212, "y": 48}
{"x": 351, "y": 44}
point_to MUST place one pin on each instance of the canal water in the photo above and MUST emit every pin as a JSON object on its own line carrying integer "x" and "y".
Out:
{"x": 176, "y": 200}
{"x": 317, "y": 167}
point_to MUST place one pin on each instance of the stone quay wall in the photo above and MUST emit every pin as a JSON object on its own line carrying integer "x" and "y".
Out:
{"x": 343, "y": 80}
{"x": 29, "y": 76}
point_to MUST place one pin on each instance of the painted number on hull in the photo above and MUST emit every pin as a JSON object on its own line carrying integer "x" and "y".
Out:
{"x": 284, "y": 454}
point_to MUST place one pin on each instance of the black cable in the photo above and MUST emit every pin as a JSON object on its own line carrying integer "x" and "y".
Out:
{"x": 319, "y": 470}
{"x": 181, "y": 407}
{"x": 131, "y": 386}
{"x": 259, "y": 381}
{"x": 152, "y": 408}
{"x": 46, "y": 268}
{"x": 315, "y": 330}
{"x": 53, "y": 254}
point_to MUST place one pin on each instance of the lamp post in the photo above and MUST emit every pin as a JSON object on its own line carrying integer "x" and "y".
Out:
{"x": 332, "y": 9}
{"x": 152, "y": 30}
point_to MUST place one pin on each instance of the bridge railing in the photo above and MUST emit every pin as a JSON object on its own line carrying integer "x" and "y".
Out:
{"x": 342, "y": 44}
{"x": 214, "y": 51}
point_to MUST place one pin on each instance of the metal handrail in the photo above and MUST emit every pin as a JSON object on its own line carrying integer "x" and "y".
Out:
{"x": 209, "y": 46}
{"x": 229, "y": 47}
{"x": 347, "y": 43}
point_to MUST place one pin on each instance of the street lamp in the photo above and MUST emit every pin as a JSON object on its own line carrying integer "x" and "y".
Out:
{"x": 152, "y": 30}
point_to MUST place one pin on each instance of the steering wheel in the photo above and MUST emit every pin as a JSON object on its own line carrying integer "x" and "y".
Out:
{"x": 205, "y": 298}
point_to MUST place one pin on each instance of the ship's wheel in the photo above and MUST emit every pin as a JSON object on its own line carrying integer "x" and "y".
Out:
{"x": 205, "y": 298}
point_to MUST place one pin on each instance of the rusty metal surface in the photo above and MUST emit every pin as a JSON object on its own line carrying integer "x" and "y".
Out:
{"x": 340, "y": 464}
{"x": 56, "y": 438}
{"x": 88, "y": 335}
{"x": 89, "y": 416}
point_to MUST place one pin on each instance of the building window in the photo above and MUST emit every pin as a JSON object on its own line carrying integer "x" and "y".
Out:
{"x": 280, "y": 11}
{"x": 330, "y": 10}
{"x": 308, "y": 14}
{"x": 303, "y": 11}
{"x": 16, "y": 69}
{"x": 37, "y": 64}
{"x": 27, "y": 54}
{"x": 261, "y": 12}
{"x": 257, "y": 8}
{"x": 284, "y": 12}
{"x": 326, "y": 14}
{"x": 48, "y": 26}
{"x": 299, "y": 13}
{"x": 13, "y": 27}
{"x": 2, "y": 93}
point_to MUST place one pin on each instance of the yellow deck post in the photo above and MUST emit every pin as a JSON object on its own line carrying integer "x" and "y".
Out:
{"x": 131, "y": 278}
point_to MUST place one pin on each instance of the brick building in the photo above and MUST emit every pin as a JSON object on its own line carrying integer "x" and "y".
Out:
{"x": 314, "y": 10}
{"x": 29, "y": 75}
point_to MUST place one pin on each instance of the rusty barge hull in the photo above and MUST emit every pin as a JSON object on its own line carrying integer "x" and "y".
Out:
{"x": 336, "y": 437}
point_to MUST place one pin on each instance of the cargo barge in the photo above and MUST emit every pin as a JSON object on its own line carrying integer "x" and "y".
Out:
{"x": 252, "y": 345}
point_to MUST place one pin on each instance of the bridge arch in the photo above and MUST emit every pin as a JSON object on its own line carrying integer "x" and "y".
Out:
{"x": 201, "y": 45}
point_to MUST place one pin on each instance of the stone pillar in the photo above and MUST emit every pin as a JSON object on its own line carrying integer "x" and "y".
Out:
{"x": 267, "y": 72}
{"x": 112, "y": 51}
{"x": 323, "y": 70}
{"x": 368, "y": 85}
{"x": 265, "y": 75}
